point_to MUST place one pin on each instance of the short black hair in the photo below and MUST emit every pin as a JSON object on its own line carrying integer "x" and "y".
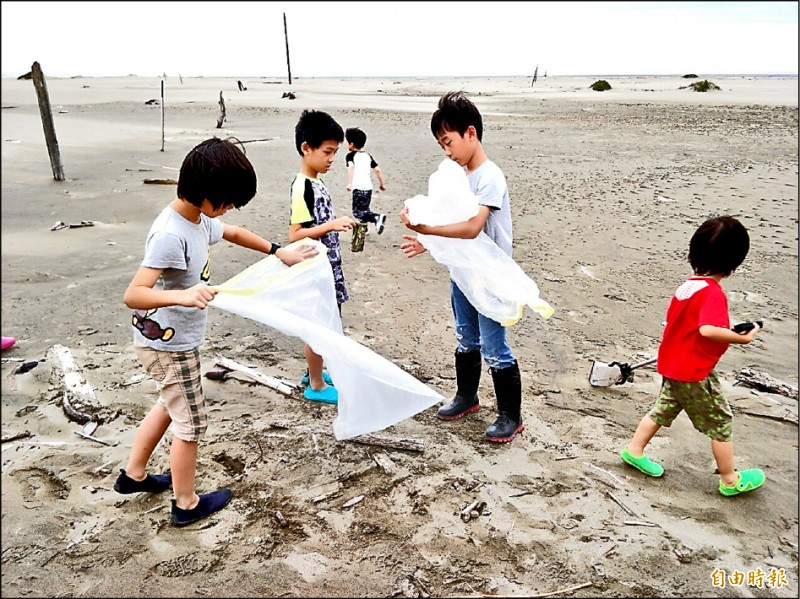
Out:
{"x": 718, "y": 246}
{"x": 217, "y": 170}
{"x": 315, "y": 128}
{"x": 456, "y": 113}
{"x": 356, "y": 136}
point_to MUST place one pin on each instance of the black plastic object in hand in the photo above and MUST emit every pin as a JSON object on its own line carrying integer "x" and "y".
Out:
{"x": 746, "y": 327}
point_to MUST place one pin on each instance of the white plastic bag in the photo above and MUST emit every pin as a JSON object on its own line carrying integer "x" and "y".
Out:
{"x": 301, "y": 301}
{"x": 489, "y": 278}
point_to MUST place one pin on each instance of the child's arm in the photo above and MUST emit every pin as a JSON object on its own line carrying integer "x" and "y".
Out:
{"x": 723, "y": 335}
{"x": 468, "y": 229}
{"x": 251, "y": 241}
{"x": 379, "y": 174}
{"x": 338, "y": 224}
{"x": 140, "y": 294}
{"x": 350, "y": 168}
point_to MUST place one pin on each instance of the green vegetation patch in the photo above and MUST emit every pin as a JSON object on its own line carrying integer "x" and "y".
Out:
{"x": 601, "y": 85}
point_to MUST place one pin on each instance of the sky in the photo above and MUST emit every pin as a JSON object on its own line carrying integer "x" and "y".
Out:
{"x": 400, "y": 39}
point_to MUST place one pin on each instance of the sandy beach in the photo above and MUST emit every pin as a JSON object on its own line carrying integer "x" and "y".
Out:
{"x": 606, "y": 189}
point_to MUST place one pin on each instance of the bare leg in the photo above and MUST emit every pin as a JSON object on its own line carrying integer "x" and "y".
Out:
{"x": 183, "y": 463}
{"x": 314, "y": 361}
{"x": 147, "y": 437}
{"x": 644, "y": 432}
{"x": 723, "y": 454}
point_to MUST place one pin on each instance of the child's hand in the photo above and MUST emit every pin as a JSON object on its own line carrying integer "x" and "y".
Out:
{"x": 382, "y": 187}
{"x": 413, "y": 247}
{"x": 197, "y": 296}
{"x": 749, "y": 335}
{"x": 407, "y": 222}
{"x": 349, "y": 188}
{"x": 342, "y": 223}
{"x": 293, "y": 256}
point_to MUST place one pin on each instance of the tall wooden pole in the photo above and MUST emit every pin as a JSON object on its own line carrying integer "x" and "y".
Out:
{"x": 47, "y": 122}
{"x": 286, "y": 35}
{"x": 162, "y": 115}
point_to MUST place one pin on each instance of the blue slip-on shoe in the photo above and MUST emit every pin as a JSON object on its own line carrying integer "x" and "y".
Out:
{"x": 152, "y": 483}
{"x": 325, "y": 377}
{"x": 327, "y": 395}
{"x": 208, "y": 504}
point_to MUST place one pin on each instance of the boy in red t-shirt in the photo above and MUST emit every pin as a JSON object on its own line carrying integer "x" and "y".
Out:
{"x": 697, "y": 334}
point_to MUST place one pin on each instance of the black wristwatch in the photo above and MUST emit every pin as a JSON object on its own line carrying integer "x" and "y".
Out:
{"x": 275, "y": 247}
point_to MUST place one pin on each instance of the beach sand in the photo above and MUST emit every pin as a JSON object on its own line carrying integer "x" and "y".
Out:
{"x": 606, "y": 189}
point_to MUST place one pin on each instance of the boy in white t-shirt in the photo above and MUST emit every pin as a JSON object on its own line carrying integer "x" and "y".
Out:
{"x": 359, "y": 179}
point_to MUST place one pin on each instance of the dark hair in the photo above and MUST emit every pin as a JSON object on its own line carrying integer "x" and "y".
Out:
{"x": 356, "y": 136}
{"x": 456, "y": 113}
{"x": 718, "y": 246}
{"x": 217, "y": 170}
{"x": 316, "y": 127}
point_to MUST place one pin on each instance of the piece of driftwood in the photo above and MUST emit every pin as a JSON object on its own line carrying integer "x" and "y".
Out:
{"x": 222, "y": 116}
{"x": 326, "y": 496}
{"x": 405, "y": 443}
{"x": 625, "y": 508}
{"x": 385, "y": 463}
{"x": 640, "y": 523}
{"x": 160, "y": 182}
{"x": 787, "y": 418}
{"x": 78, "y": 394}
{"x": 271, "y": 382}
{"x": 562, "y": 591}
{"x": 62, "y": 225}
{"x": 764, "y": 382}
{"x": 250, "y": 141}
{"x": 22, "y": 435}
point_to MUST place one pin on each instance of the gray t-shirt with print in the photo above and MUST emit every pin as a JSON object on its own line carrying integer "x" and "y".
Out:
{"x": 180, "y": 249}
{"x": 488, "y": 183}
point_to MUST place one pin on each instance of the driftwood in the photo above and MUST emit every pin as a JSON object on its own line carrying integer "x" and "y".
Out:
{"x": 64, "y": 370}
{"x": 62, "y": 225}
{"x": 625, "y": 508}
{"x": 160, "y": 181}
{"x": 271, "y": 382}
{"x": 405, "y": 443}
{"x": 764, "y": 382}
{"x": 221, "y": 117}
{"x": 562, "y": 591}
{"x": 641, "y": 523}
{"x": 22, "y": 435}
{"x": 786, "y": 418}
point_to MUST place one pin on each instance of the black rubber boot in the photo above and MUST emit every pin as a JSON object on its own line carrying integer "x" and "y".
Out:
{"x": 508, "y": 389}
{"x": 468, "y": 377}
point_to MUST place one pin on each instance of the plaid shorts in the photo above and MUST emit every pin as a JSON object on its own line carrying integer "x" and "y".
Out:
{"x": 705, "y": 406}
{"x": 177, "y": 377}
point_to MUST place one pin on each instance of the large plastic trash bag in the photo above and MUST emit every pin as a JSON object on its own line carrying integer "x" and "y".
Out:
{"x": 490, "y": 279}
{"x": 301, "y": 301}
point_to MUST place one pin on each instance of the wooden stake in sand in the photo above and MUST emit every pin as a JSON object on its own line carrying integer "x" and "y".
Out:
{"x": 286, "y": 36}
{"x": 47, "y": 122}
{"x": 221, "y": 117}
{"x": 162, "y": 115}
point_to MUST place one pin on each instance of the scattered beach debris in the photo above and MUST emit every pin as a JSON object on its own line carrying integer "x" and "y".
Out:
{"x": 160, "y": 182}
{"x": 15, "y": 436}
{"x": 152, "y": 102}
{"x": 62, "y": 225}
{"x": 79, "y": 401}
{"x": 289, "y": 95}
{"x": 764, "y": 382}
{"x": 279, "y": 385}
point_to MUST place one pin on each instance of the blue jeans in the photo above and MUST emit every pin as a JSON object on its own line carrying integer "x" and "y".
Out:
{"x": 476, "y": 331}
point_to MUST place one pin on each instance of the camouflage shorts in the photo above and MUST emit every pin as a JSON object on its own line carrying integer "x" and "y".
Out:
{"x": 704, "y": 404}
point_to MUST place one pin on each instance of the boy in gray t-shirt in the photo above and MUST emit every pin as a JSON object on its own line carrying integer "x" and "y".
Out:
{"x": 458, "y": 127}
{"x": 168, "y": 295}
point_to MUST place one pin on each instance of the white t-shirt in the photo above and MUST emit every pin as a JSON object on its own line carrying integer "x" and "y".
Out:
{"x": 363, "y": 163}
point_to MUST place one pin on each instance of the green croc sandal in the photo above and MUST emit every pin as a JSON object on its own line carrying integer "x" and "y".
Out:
{"x": 749, "y": 480}
{"x": 643, "y": 464}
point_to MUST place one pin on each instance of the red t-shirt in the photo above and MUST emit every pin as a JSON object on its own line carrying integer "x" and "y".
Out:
{"x": 684, "y": 354}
